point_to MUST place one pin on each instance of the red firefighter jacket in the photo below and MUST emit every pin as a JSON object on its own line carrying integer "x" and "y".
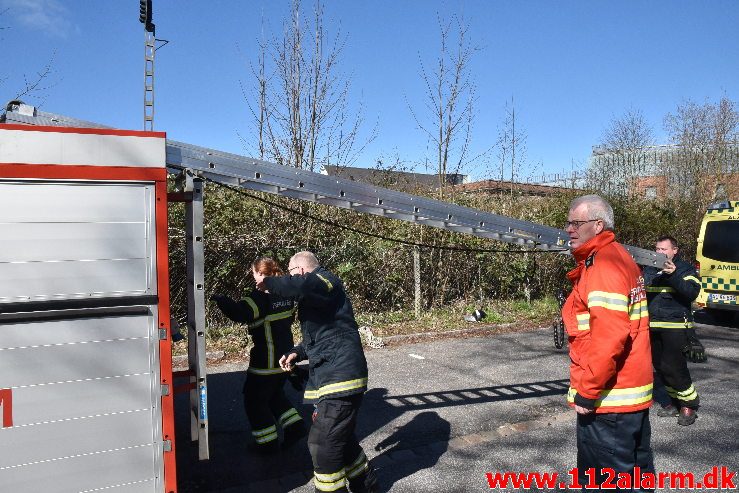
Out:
{"x": 608, "y": 327}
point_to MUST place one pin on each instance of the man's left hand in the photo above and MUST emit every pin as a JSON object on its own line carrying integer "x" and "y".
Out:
{"x": 583, "y": 405}
{"x": 669, "y": 267}
{"x": 583, "y": 410}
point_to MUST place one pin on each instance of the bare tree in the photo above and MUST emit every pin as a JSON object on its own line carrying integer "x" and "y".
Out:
{"x": 302, "y": 116}
{"x": 703, "y": 159}
{"x": 450, "y": 97}
{"x": 623, "y": 154}
{"x": 511, "y": 145}
{"x": 35, "y": 84}
{"x": 706, "y": 148}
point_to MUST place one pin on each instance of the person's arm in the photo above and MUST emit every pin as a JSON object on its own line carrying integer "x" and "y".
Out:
{"x": 685, "y": 282}
{"x": 286, "y": 286}
{"x": 292, "y": 357}
{"x": 610, "y": 328}
{"x": 251, "y": 308}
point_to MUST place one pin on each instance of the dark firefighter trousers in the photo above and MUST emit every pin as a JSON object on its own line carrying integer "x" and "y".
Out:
{"x": 618, "y": 441}
{"x": 267, "y": 407}
{"x": 672, "y": 367}
{"x": 337, "y": 456}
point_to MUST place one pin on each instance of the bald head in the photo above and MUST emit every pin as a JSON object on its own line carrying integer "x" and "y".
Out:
{"x": 303, "y": 262}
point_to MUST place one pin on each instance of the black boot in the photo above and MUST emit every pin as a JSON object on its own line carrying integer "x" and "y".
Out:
{"x": 365, "y": 483}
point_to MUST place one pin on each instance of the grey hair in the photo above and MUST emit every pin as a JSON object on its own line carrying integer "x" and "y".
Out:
{"x": 305, "y": 259}
{"x": 597, "y": 208}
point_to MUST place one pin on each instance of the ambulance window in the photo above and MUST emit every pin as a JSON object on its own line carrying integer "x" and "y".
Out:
{"x": 721, "y": 240}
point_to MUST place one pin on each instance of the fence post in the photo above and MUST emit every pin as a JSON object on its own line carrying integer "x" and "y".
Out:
{"x": 417, "y": 279}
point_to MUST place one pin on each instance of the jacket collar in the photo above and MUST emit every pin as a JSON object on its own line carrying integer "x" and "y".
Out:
{"x": 587, "y": 249}
{"x": 593, "y": 245}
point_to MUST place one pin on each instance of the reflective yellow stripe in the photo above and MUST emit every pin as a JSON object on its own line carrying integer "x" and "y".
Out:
{"x": 610, "y": 301}
{"x": 328, "y": 283}
{"x": 266, "y": 438}
{"x": 638, "y": 310}
{"x": 253, "y": 306}
{"x": 692, "y": 278}
{"x": 618, "y": 397}
{"x": 689, "y": 394}
{"x": 359, "y": 466}
{"x": 270, "y": 344}
{"x": 264, "y": 431}
{"x": 265, "y": 435}
{"x": 335, "y": 388}
{"x": 330, "y": 482}
{"x": 659, "y": 289}
{"x": 265, "y": 371}
{"x": 268, "y": 333}
{"x": 292, "y": 420}
{"x": 670, "y": 325}
{"x": 287, "y": 415}
{"x": 280, "y": 315}
{"x": 583, "y": 321}
{"x": 327, "y": 478}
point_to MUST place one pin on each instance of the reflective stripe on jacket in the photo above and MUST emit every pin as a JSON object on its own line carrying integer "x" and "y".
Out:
{"x": 269, "y": 318}
{"x": 670, "y": 296}
{"x": 337, "y": 366}
{"x": 608, "y": 327}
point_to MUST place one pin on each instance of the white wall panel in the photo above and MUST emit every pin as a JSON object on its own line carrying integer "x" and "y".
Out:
{"x": 97, "y": 472}
{"x": 64, "y": 148}
{"x": 71, "y": 240}
{"x": 85, "y": 405}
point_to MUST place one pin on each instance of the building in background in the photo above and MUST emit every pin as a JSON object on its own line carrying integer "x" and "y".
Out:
{"x": 666, "y": 171}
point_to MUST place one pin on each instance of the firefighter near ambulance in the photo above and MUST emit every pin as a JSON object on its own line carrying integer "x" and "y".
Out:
{"x": 670, "y": 293}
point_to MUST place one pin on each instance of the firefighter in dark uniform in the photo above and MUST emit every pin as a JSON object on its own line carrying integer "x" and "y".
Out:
{"x": 269, "y": 318}
{"x": 670, "y": 293}
{"x": 337, "y": 376}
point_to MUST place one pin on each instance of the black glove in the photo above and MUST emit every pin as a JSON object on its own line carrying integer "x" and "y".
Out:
{"x": 220, "y": 300}
{"x": 693, "y": 349}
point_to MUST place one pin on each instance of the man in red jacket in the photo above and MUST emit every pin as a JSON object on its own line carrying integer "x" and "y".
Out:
{"x": 611, "y": 365}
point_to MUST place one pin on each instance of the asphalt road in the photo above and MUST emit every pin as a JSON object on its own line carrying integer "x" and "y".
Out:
{"x": 441, "y": 414}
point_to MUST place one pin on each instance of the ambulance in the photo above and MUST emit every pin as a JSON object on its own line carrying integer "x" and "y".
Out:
{"x": 718, "y": 258}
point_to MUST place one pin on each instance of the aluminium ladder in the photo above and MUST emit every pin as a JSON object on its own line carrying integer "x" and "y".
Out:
{"x": 253, "y": 174}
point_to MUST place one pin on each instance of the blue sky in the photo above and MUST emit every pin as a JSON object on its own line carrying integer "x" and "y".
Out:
{"x": 570, "y": 66}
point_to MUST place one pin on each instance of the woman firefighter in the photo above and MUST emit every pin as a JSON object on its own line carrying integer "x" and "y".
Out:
{"x": 269, "y": 320}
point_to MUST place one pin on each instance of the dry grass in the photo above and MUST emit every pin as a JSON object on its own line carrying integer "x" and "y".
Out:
{"x": 232, "y": 339}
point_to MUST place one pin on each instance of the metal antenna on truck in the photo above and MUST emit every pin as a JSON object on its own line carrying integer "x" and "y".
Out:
{"x": 145, "y": 15}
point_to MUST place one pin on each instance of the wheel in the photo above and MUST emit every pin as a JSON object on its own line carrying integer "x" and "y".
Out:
{"x": 559, "y": 333}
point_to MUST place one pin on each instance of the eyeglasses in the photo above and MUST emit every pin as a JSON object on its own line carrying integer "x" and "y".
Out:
{"x": 293, "y": 268}
{"x": 577, "y": 224}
